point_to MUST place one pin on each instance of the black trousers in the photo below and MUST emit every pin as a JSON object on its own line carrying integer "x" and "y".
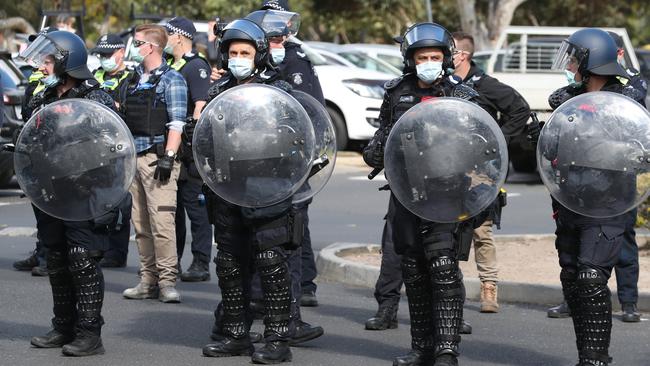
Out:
{"x": 190, "y": 200}
{"x": 308, "y": 262}
{"x": 389, "y": 283}
{"x": 627, "y": 268}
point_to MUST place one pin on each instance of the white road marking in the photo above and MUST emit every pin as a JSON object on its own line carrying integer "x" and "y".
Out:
{"x": 18, "y": 231}
{"x": 379, "y": 178}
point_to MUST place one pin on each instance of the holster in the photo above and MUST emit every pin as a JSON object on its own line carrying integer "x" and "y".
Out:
{"x": 286, "y": 230}
{"x": 464, "y": 235}
{"x": 501, "y": 202}
{"x": 210, "y": 203}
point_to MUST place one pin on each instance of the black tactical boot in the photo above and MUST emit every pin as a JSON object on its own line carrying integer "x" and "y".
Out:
{"x": 305, "y": 332}
{"x": 589, "y": 358}
{"x": 231, "y": 329}
{"x": 385, "y": 318}
{"x": 413, "y": 358}
{"x": 89, "y": 291}
{"x": 630, "y": 313}
{"x": 229, "y": 346}
{"x": 276, "y": 287}
{"x": 465, "y": 327}
{"x": 87, "y": 341}
{"x": 273, "y": 352}
{"x": 28, "y": 263}
{"x": 53, "y": 339}
{"x": 63, "y": 300}
{"x": 198, "y": 271}
{"x": 559, "y": 311}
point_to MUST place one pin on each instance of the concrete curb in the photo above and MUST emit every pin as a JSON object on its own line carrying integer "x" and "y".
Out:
{"x": 332, "y": 267}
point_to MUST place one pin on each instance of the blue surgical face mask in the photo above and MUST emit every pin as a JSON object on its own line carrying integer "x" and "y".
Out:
{"x": 429, "y": 71}
{"x": 571, "y": 78}
{"x": 51, "y": 80}
{"x": 240, "y": 67}
{"x": 278, "y": 55}
{"x": 169, "y": 49}
{"x": 108, "y": 63}
{"x": 135, "y": 54}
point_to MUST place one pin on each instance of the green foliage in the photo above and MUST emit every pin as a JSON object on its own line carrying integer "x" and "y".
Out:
{"x": 358, "y": 20}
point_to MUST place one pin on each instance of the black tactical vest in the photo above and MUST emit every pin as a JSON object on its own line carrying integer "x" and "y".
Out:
{"x": 144, "y": 114}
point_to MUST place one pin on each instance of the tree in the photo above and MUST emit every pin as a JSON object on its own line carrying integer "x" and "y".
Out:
{"x": 488, "y": 21}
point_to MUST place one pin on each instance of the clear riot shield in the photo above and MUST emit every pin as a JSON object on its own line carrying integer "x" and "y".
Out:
{"x": 446, "y": 159}
{"x": 592, "y": 154}
{"x": 75, "y": 159}
{"x": 324, "y": 150}
{"x": 253, "y": 145}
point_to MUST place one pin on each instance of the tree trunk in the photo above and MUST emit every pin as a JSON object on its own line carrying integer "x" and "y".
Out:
{"x": 486, "y": 32}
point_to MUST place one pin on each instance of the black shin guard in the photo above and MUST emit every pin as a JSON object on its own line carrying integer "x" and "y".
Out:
{"x": 447, "y": 303}
{"x": 276, "y": 285}
{"x": 570, "y": 292}
{"x": 234, "y": 322}
{"x": 419, "y": 296}
{"x": 63, "y": 293}
{"x": 595, "y": 307}
{"x": 88, "y": 282}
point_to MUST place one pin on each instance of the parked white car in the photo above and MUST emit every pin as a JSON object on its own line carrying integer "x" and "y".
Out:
{"x": 356, "y": 57}
{"x": 353, "y": 97}
{"x": 387, "y": 53}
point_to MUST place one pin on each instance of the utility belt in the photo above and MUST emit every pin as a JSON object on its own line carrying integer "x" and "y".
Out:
{"x": 294, "y": 223}
{"x": 157, "y": 148}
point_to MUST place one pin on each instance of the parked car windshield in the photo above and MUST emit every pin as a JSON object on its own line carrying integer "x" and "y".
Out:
{"x": 364, "y": 61}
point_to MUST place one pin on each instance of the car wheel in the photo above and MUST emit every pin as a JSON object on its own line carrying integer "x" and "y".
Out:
{"x": 340, "y": 128}
{"x": 6, "y": 168}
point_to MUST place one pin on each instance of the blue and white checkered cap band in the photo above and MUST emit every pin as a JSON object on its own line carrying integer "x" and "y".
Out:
{"x": 110, "y": 46}
{"x": 171, "y": 29}
{"x": 274, "y": 5}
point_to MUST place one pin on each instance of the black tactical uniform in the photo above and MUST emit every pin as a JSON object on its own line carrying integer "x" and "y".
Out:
{"x": 588, "y": 247}
{"x": 74, "y": 247}
{"x": 430, "y": 251}
{"x": 246, "y": 237}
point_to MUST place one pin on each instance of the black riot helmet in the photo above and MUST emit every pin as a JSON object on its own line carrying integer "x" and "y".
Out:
{"x": 424, "y": 35}
{"x": 69, "y": 52}
{"x": 276, "y": 22}
{"x": 595, "y": 52}
{"x": 245, "y": 30}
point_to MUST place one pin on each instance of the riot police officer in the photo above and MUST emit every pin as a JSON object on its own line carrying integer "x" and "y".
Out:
{"x": 296, "y": 69}
{"x": 278, "y": 26}
{"x": 588, "y": 247}
{"x": 113, "y": 76}
{"x": 74, "y": 247}
{"x": 196, "y": 71}
{"x": 243, "y": 233}
{"x": 36, "y": 263}
{"x": 429, "y": 250}
{"x": 627, "y": 268}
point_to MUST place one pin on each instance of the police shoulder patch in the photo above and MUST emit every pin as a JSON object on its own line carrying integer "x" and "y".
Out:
{"x": 297, "y": 78}
{"x": 392, "y": 84}
{"x": 463, "y": 91}
{"x": 203, "y": 73}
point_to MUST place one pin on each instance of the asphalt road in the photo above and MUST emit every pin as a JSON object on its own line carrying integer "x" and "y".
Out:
{"x": 349, "y": 209}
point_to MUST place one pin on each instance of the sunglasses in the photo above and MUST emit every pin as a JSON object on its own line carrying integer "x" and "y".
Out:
{"x": 139, "y": 43}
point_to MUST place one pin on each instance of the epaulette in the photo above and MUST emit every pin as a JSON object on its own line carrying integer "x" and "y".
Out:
{"x": 282, "y": 85}
{"x": 463, "y": 91}
{"x": 558, "y": 97}
{"x": 392, "y": 84}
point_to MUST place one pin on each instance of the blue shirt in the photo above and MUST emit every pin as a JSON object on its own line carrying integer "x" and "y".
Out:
{"x": 171, "y": 90}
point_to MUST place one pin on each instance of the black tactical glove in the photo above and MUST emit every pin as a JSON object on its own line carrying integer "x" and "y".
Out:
{"x": 164, "y": 167}
{"x": 534, "y": 128}
{"x": 373, "y": 154}
{"x": 188, "y": 130}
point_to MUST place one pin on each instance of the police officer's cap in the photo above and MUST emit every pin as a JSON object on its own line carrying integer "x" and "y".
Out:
{"x": 45, "y": 30}
{"x": 108, "y": 44}
{"x": 182, "y": 26}
{"x": 282, "y": 5}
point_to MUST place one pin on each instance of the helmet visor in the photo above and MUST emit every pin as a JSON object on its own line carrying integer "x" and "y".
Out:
{"x": 280, "y": 23}
{"x": 38, "y": 51}
{"x": 568, "y": 54}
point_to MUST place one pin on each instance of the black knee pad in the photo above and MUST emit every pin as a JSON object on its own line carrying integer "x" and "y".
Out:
{"x": 446, "y": 276}
{"x": 269, "y": 261}
{"x": 591, "y": 282}
{"x": 79, "y": 258}
{"x": 413, "y": 269}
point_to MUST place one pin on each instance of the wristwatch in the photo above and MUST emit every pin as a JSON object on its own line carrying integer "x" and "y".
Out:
{"x": 170, "y": 153}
